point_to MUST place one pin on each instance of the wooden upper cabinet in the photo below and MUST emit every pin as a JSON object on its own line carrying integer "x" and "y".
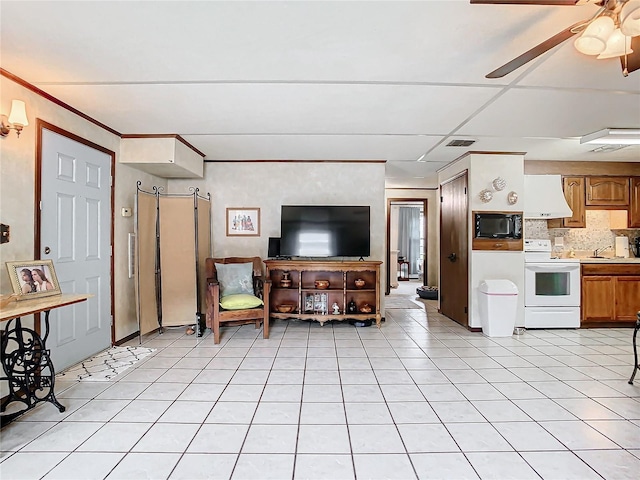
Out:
{"x": 574, "y": 192}
{"x": 607, "y": 191}
{"x": 634, "y": 203}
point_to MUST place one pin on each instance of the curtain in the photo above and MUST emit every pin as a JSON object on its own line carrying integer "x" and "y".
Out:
{"x": 409, "y": 236}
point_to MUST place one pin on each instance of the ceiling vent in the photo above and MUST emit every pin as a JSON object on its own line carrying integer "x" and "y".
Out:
{"x": 608, "y": 148}
{"x": 460, "y": 143}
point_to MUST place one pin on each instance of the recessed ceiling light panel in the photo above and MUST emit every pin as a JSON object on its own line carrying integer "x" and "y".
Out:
{"x": 613, "y": 136}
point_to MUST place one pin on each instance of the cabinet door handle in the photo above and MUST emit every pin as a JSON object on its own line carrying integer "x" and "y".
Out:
{"x": 452, "y": 257}
{"x": 498, "y": 245}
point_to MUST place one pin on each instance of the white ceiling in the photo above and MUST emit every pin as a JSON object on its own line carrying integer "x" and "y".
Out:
{"x": 303, "y": 80}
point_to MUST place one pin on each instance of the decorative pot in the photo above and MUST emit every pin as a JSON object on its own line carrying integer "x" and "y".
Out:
{"x": 286, "y": 308}
{"x": 359, "y": 283}
{"x": 285, "y": 282}
{"x": 366, "y": 308}
{"x": 322, "y": 284}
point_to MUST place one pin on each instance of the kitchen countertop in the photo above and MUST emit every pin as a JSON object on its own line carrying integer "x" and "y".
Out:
{"x": 607, "y": 257}
{"x": 610, "y": 260}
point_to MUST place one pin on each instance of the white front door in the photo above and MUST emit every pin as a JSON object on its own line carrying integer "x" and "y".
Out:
{"x": 75, "y": 233}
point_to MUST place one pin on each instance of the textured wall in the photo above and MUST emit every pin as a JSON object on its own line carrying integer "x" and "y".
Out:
{"x": 269, "y": 185}
{"x": 17, "y": 193}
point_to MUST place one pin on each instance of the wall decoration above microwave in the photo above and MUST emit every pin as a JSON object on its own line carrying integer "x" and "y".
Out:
{"x": 486, "y": 195}
{"x": 499, "y": 184}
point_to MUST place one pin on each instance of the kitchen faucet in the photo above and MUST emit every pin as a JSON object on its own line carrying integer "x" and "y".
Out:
{"x": 598, "y": 251}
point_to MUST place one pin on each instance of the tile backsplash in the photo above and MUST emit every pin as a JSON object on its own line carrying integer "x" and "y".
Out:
{"x": 598, "y": 233}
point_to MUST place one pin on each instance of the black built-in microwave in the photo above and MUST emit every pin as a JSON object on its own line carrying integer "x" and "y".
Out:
{"x": 498, "y": 225}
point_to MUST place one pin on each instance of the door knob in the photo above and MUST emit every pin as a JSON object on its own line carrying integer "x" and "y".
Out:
{"x": 452, "y": 257}
{"x": 47, "y": 250}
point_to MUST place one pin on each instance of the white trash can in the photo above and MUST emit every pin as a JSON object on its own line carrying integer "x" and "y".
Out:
{"x": 498, "y": 303}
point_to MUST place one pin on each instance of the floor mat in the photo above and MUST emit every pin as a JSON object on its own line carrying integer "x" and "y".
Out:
{"x": 106, "y": 365}
{"x": 400, "y": 301}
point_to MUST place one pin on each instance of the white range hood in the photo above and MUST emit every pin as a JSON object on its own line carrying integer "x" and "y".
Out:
{"x": 543, "y": 197}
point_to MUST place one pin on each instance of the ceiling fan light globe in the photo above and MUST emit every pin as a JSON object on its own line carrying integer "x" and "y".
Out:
{"x": 593, "y": 40}
{"x": 630, "y": 18}
{"x": 590, "y": 45}
{"x": 617, "y": 45}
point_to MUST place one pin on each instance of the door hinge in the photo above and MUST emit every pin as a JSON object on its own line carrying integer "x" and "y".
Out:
{"x": 110, "y": 180}
{"x": 111, "y": 320}
{"x": 465, "y": 310}
{"x": 465, "y": 190}
{"x": 111, "y": 250}
{"x": 441, "y": 199}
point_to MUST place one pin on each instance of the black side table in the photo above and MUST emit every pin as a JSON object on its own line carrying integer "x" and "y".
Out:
{"x": 635, "y": 350}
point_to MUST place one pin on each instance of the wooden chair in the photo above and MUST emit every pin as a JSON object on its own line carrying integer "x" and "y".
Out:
{"x": 217, "y": 315}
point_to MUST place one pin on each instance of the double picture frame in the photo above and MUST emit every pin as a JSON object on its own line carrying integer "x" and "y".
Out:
{"x": 33, "y": 279}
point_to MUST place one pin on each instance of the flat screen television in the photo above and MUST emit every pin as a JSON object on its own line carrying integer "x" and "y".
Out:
{"x": 325, "y": 231}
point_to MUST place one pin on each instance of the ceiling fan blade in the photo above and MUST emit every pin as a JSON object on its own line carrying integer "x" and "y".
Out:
{"x": 632, "y": 62}
{"x": 536, "y": 51}
{"x": 524, "y": 2}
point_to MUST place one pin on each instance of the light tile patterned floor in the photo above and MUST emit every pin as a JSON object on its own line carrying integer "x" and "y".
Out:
{"x": 419, "y": 398}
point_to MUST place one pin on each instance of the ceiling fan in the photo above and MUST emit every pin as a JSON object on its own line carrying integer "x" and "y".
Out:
{"x": 614, "y": 31}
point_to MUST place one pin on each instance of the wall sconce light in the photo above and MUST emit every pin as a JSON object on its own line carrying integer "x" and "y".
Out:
{"x": 17, "y": 118}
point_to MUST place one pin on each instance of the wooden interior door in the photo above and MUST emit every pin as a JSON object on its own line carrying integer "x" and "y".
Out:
{"x": 454, "y": 260}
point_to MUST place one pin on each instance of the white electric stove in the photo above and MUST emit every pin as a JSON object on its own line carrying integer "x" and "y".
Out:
{"x": 551, "y": 287}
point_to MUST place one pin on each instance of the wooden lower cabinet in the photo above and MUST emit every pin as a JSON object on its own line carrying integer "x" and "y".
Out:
{"x": 627, "y": 294}
{"x": 610, "y": 293}
{"x": 598, "y": 298}
{"x": 312, "y": 303}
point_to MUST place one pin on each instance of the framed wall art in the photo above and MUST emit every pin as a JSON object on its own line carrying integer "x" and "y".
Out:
{"x": 33, "y": 279}
{"x": 243, "y": 222}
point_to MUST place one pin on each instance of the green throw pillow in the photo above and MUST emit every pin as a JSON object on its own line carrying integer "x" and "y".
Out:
{"x": 240, "y": 301}
{"x": 235, "y": 278}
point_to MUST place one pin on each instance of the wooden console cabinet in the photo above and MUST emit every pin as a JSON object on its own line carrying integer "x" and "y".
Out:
{"x": 312, "y": 303}
{"x": 610, "y": 293}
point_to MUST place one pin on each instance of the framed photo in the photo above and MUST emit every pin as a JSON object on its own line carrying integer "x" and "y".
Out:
{"x": 33, "y": 279}
{"x": 243, "y": 222}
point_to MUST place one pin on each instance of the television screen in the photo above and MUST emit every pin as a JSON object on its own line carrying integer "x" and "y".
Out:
{"x": 325, "y": 231}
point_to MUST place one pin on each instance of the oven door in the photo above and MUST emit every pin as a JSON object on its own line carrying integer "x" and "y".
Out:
{"x": 552, "y": 284}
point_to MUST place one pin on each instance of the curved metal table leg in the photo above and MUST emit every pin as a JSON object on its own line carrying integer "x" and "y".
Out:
{"x": 635, "y": 350}
{"x": 28, "y": 368}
